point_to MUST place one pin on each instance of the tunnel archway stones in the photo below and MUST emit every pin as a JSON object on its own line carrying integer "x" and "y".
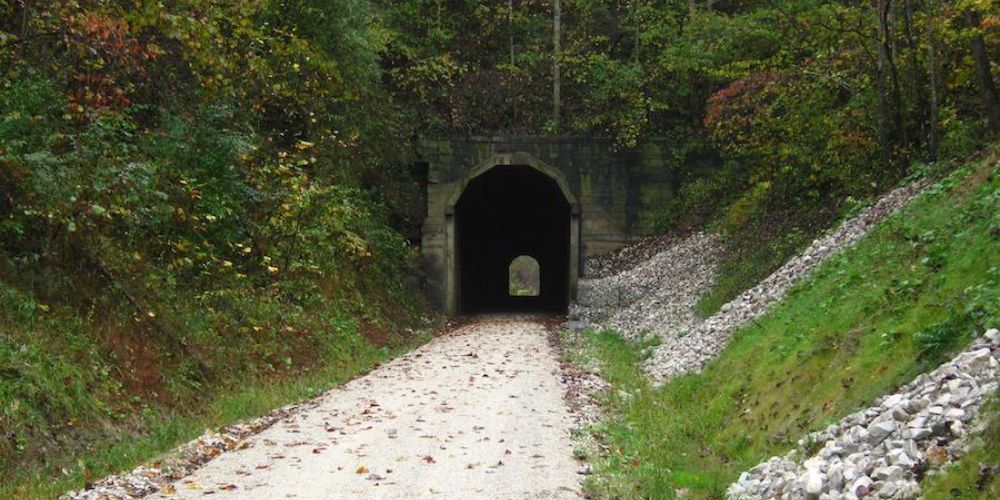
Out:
{"x": 513, "y": 159}
{"x": 452, "y": 279}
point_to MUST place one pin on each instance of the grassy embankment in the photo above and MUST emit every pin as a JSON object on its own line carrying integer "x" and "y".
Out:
{"x": 866, "y": 321}
{"x": 108, "y": 428}
{"x": 95, "y": 386}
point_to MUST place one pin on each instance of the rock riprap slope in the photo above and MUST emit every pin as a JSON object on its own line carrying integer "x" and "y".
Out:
{"x": 883, "y": 451}
{"x": 477, "y": 413}
{"x": 684, "y": 352}
{"x": 656, "y": 296}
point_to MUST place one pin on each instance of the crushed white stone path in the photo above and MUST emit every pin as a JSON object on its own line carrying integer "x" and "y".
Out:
{"x": 477, "y": 413}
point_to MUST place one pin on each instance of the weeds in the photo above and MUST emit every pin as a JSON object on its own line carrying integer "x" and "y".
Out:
{"x": 872, "y": 317}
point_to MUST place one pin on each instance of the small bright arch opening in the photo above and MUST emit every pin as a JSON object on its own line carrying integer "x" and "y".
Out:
{"x": 525, "y": 277}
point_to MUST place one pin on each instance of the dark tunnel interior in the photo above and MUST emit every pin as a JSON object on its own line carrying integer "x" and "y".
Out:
{"x": 504, "y": 213}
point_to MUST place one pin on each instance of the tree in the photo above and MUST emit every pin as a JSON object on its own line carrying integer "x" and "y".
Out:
{"x": 556, "y": 59}
{"x": 984, "y": 75}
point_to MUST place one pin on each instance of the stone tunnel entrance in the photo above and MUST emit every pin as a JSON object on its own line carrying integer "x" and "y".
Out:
{"x": 507, "y": 212}
{"x": 607, "y": 189}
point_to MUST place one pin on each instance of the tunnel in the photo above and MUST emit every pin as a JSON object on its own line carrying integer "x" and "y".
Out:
{"x": 512, "y": 211}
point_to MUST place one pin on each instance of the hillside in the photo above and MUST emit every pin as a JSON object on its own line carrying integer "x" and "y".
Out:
{"x": 189, "y": 230}
{"x": 910, "y": 294}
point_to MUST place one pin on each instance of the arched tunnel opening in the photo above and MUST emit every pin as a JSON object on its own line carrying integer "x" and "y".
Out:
{"x": 508, "y": 212}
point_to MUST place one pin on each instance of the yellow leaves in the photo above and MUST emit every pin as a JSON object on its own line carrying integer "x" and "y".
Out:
{"x": 272, "y": 269}
{"x": 356, "y": 245}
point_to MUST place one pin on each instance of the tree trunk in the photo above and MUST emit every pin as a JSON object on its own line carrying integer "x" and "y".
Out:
{"x": 895, "y": 90}
{"x": 890, "y": 103}
{"x": 987, "y": 89}
{"x": 636, "y": 8}
{"x": 932, "y": 73}
{"x": 917, "y": 94}
{"x": 25, "y": 17}
{"x": 556, "y": 56}
{"x": 510, "y": 27}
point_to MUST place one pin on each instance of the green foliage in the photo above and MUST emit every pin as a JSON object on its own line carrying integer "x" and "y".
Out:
{"x": 193, "y": 198}
{"x": 936, "y": 341}
{"x": 791, "y": 101}
{"x": 53, "y": 380}
{"x": 523, "y": 277}
{"x": 816, "y": 357}
{"x": 609, "y": 97}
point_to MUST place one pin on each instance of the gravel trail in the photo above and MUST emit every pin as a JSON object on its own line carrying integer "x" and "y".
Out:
{"x": 477, "y": 413}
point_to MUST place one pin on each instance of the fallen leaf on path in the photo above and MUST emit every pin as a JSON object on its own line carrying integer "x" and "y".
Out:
{"x": 361, "y": 469}
{"x": 429, "y": 459}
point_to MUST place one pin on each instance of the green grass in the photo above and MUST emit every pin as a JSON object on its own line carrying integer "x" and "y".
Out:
{"x": 739, "y": 272}
{"x": 964, "y": 479}
{"x": 165, "y": 430}
{"x": 754, "y": 249}
{"x": 866, "y": 321}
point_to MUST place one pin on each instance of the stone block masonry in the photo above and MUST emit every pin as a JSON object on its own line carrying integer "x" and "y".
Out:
{"x": 607, "y": 188}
